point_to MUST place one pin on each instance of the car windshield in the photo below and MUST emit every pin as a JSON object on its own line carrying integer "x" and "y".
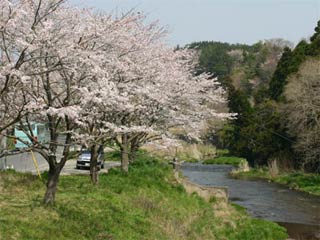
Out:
{"x": 85, "y": 152}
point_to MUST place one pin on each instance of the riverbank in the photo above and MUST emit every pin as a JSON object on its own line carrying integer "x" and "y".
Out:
{"x": 229, "y": 160}
{"x": 309, "y": 183}
{"x": 147, "y": 203}
{"x": 295, "y": 210}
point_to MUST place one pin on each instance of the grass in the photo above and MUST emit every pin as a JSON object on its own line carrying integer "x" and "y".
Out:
{"x": 225, "y": 160}
{"x": 223, "y": 152}
{"x": 112, "y": 156}
{"x": 296, "y": 180}
{"x": 147, "y": 203}
{"x": 223, "y": 157}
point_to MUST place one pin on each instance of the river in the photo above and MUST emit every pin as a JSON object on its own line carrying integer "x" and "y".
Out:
{"x": 297, "y": 211}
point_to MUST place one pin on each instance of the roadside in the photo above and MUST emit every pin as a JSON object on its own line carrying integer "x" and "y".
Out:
{"x": 24, "y": 163}
{"x": 70, "y": 168}
{"x": 28, "y": 162}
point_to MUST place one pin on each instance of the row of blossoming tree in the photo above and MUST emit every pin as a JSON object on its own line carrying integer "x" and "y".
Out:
{"x": 92, "y": 77}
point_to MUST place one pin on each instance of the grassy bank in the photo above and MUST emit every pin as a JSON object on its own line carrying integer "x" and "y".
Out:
{"x": 235, "y": 161}
{"x": 223, "y": 157}
{"x": 296, "y": 180}
{"x": 145, "y": 204}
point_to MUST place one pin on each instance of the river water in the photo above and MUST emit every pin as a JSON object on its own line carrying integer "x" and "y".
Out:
{"x": 297, "y": 211}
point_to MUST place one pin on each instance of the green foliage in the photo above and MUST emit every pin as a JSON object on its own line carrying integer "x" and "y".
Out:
{"x": 258, "y": 133}
{"x": 314, "y": 47}
{"x": 255, "y": 86}
{"x": 216, "y": 59}
{"x": 260, "y": 130}
{"x": 261, "y": 229}
{"x": 316, "y": 35}
{"x": 260, "y": 95}
{"x": 262, "y": 134}
{"x": 306, "y": 182}
{"x": 288, "y": 67}
{"x": 112, "y": 156}
{"x": 253, "y": 174}
{"x": 278, "y": 80}
{"x": 223, "y": 152}
{"x": 290, "y": 63}
{"x": 225, "y": 160}
{"x": 239, "y": 103}
{"x": 250, "y": 135}
{"x": 147, "y": 203}
{"x": 239, "y": 208}
{"x": 224, "y": 59}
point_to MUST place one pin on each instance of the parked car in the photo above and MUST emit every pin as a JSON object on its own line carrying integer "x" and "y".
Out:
{"x": 83, "y": 161}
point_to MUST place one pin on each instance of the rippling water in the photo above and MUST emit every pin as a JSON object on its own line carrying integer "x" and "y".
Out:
{"x": 292, "y": 209}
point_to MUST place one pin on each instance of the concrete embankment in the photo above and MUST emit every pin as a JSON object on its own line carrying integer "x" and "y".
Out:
{"x": 206, "y": 192}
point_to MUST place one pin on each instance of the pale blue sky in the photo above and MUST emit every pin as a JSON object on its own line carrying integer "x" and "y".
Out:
{"x": 234, "y": 21}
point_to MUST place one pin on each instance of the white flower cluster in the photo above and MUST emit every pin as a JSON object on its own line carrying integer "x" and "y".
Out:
{"x": 98, "y": 75}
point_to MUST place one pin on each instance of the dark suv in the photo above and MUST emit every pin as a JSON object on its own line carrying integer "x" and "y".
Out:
{"x": 83, "y": 161}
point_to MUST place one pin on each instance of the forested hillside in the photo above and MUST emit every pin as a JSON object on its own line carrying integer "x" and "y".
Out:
{"x": 246, "y": 67}
{"x": 274, "y": 89}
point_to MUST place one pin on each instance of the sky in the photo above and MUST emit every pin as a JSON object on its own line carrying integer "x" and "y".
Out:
{"x": 233, "y": 21}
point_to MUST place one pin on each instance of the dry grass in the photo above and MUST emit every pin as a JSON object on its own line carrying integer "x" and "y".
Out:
{"x": 185, "y": 152}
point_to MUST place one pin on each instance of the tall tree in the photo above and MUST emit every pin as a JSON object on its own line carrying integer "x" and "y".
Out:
{"x": 303, "y": 109}
{"x": 278, "y": 80}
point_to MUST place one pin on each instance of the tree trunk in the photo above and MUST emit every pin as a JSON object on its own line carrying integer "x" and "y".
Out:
{"x": 134, "y": 147}
{"x": 53, "y": 179}
{"x": 133, "y": 153}
{"x": 125, "y": 153}
{"x": 94, "y": 165}
{"x": 55, "y": 168}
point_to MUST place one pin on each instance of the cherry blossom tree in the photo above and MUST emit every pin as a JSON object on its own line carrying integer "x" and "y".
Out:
{"x": 153, "y": 89}
{"x": 176, "y": 98}
{"x": 45, "y": 40}
{"x": 14, "y": 43}
{"x": 92, "y": 77}
{"x": 117, "y": 41}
